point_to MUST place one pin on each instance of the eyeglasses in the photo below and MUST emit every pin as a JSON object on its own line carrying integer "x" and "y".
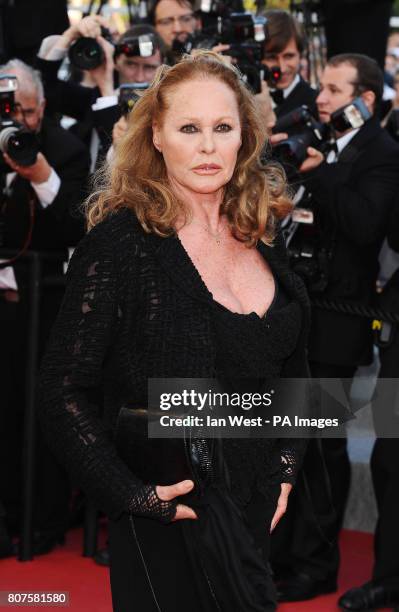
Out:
{"x": 26, "y": 113}
{"x": 182, "y": 20}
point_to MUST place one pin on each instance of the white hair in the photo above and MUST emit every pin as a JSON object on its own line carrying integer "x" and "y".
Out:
{"x": 28, "y": 78}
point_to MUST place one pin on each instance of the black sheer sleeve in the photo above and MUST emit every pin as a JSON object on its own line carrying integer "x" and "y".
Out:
{"x": 73, "y": 368}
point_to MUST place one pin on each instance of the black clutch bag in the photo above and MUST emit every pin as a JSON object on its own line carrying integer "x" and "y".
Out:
{"x": 161, "y": 461}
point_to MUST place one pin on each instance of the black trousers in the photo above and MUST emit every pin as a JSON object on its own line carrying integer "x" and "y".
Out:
{"x": 385, "y": 474}
{"x": 307, "y": 539}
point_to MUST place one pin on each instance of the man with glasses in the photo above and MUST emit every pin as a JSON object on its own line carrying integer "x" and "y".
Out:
{"x": 173, "y": 20}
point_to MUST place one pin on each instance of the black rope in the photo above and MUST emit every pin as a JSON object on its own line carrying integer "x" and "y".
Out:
{"x": 367, "y": 312}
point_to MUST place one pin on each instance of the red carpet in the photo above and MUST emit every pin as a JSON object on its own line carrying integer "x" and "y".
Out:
{"x": 66, "y": 570}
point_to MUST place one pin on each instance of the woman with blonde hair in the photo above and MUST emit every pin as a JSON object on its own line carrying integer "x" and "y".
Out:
{"x": 183, "y": 274}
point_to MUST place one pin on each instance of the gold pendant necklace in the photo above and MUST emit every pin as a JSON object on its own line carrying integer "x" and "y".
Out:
{"x": 216, "y": 236}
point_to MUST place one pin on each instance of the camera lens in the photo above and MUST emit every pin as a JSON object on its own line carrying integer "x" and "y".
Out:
{"x": 86, "y": 53}
{"x": 21, "y": 145}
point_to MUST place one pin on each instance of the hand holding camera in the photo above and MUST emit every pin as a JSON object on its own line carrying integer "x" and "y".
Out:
{"x": 119, "y": 130}
{"x": 103, "y": 75}
{"x": 264, "y": 104}
{"x": 38, "y": 172}
{"x": 88, "y": 27}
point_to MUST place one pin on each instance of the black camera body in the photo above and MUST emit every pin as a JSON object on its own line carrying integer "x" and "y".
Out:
{"x": 86, "y": 53}
{"x": 304, "y": 131}
{"x": 308, "y": 249}
{"x": 129, "y": 93}
{"x": 245, "y": 33}
{"x": 15, "y": 140}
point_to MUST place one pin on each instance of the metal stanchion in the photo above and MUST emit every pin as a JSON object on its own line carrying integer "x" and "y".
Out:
{"x": 28, "y": 458}
{"x": 90, "y": 530}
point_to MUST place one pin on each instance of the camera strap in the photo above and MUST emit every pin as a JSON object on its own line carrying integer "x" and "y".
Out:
{"x": 28, "y": 238}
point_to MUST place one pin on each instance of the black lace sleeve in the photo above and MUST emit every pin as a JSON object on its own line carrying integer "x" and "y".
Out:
{"x": 291, "y": 456}
{"x": 72, "y": 369}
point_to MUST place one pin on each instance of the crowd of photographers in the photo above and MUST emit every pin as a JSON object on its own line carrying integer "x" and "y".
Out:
{"x": 344, "y": 169}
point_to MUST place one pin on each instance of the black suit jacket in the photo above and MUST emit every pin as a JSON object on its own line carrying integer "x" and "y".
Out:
{"x": 353, "y": 200}
{"x": 68, "y": 98}
{"x": 303, "y": 93}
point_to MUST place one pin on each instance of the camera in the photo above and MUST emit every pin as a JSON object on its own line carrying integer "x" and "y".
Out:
{"x": 306, "y": 247}
{"x": 15, "y": 140}
{"x": 303, "y": 131}
{"x": 141, "y": 46}
{"x": 129, "y": 93}
{"x": 86, "y": 53}
{"x": 242, "y": 31}
{"x": 309, "y": 248}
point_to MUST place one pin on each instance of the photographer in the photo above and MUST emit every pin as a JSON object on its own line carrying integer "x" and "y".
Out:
{"x": 352, "y": 197}
{"x": 173, "y": 20}
{"x": 39, "y": 211}
{"x": 95, "y": 107}
{"x": 283, "y": 49}
{"x": 382, "y": 591}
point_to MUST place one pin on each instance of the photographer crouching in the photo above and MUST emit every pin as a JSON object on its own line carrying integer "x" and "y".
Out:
{"x": 334, "y": 242}
{"x": 43, "y": 172}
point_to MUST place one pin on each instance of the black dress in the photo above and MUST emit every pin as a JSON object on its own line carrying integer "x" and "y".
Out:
{"x": 135, "y": 307}
{"x": 166, "y": 580}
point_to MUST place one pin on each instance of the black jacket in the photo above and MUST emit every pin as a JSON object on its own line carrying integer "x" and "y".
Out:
{"x": 75, "y": 100}
{"x": 60, "y": 224}
{"x": 68, "y": 98}
{"x": 303, "y": 93}
{"x": 134, "y": 309}
{"x": 353, "y": 200}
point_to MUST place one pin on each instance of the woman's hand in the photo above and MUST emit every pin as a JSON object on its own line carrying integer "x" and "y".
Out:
{"x": 281, "y": 504}
{"x": 170, "y": 492}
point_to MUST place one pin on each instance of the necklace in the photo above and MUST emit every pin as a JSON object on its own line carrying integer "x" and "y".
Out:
{"x": 217, "y": 236}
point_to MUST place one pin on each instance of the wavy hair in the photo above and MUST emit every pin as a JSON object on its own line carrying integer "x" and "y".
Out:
{"x": 137, "y": 179}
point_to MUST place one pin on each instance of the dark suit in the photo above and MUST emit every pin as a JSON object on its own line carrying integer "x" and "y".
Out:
{"x": 303, "y": 93}
{"x": 75, "y": 100}
{"x": 55, "y": 227}
{"x": 68, "y": 98}
{"x": 385, "y": 456}
{"x": 352, "y": 202}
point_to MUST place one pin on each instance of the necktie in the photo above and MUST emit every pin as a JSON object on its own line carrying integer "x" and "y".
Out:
{"x": 278, "y": 96}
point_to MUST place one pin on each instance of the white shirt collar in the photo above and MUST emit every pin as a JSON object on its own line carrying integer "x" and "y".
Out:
{"x": 344, "y": 140}
{"x": 290, "y": 88}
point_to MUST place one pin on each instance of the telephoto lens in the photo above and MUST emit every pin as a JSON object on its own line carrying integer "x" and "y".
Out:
{"x": 86, "y": 53}
{"x": 20, "y": 144}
